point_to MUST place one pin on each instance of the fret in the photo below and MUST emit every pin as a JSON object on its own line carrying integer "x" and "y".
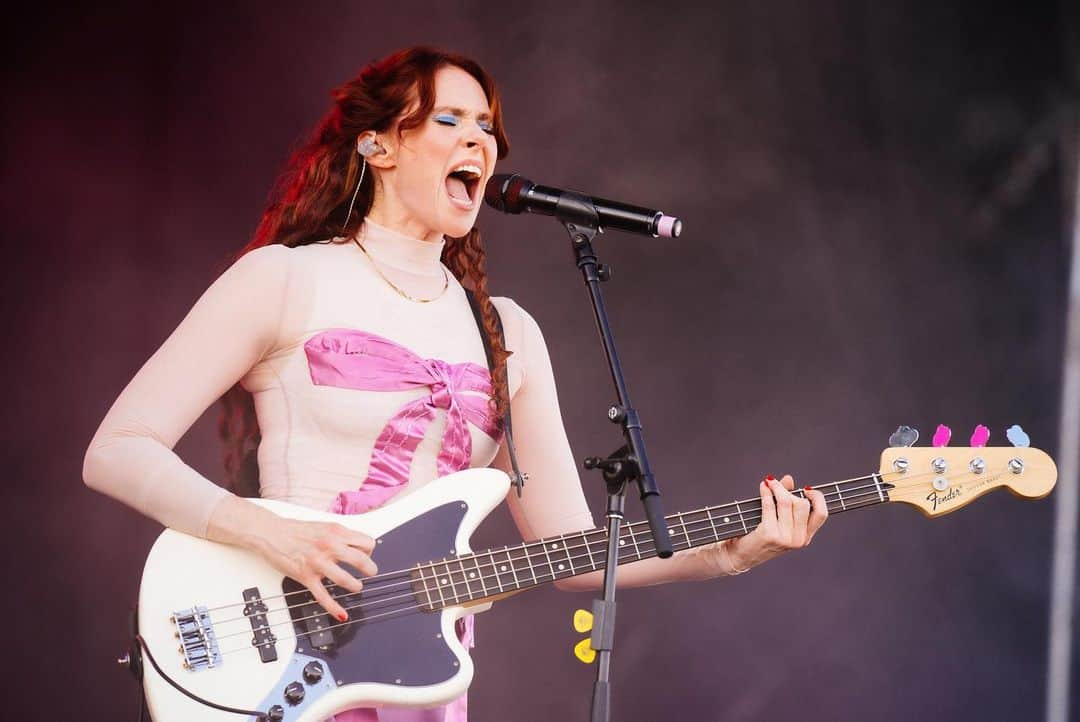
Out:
{"x": 716, "y": 534}
{"x": 480, "y": 574}
{"x": 446, "y": 579}
{"x": 685, "y": 532}
{"x": 569, "y": 555}
{"x": 543, "y": 545}
{"x": 741, "y": 518}
{"x": 556, "y": 548}
{"x": 840, "y": 495}
{"x": 633, "y": 538}
{"x": 459, "y": 577}
{"x": 588, "y": 550}
{"x": 602, "y": 548}
{"x": 438, "y": 586}
{"x": 427, "y": 589}
{"x": 877, "y": 485}
{"x": 465, "y": 578}
{"x": 503, "y": 572}
{"x": 526, "y": 559}
{"x": 495, "y": 570}
{"x": 513, "y": 570}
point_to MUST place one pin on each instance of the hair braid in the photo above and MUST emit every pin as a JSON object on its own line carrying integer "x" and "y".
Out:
{"x": 465, "y": 257}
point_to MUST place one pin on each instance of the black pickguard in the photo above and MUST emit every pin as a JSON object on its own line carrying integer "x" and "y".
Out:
{"x": 405, "y": 647}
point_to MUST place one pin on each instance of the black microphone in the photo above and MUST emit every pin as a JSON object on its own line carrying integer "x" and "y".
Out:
{"x": 510, "y": 193}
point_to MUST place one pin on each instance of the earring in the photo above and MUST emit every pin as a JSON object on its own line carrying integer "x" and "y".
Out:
{"x": 355, "y": 193}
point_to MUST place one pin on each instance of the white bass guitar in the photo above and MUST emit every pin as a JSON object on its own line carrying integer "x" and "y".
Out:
{"x": 226, "y": 627}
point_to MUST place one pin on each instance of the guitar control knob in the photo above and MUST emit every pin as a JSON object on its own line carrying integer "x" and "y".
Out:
{"x": 275, "y": 713}
{"x": 313, "y": 672}
{"x": 294, "y": 693}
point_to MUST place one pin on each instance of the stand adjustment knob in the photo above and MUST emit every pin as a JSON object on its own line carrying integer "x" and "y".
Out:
{"x": 313, "y": 672}
{"x": 275, "y": 713}
{"x": 294, "y": 693}
{"x": 604, "y": 272}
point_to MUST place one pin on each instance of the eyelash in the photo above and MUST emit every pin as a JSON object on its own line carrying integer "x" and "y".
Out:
{"x": 452, "y": 120}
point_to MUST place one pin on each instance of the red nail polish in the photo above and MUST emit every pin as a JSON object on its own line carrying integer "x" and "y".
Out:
{"x": 770, "y": 477}
{"x": 808, "y": 488}
{"x": 343, "y": 617}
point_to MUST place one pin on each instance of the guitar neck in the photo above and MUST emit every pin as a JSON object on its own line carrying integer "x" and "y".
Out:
{"x": 482, "y": 575}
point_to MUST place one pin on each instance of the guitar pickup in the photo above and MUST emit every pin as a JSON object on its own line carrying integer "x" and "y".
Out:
{"x": 311, "y": 622}
{"x": 263, "y": 639}
{"x": 316, "y": 622}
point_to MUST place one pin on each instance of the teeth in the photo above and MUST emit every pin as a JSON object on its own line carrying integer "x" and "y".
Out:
{"x": 469, "y": 168}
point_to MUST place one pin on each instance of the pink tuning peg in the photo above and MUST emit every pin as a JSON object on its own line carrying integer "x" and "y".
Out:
{"x": 979, "y": 436}
{"x": 942, "y": 436}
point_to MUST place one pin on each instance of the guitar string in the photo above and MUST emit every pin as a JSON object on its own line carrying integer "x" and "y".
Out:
{"x": 711, "y": 523}
{"x": 402, "y": 572}
{"x": 532, "y": 551}
{"x": 867, "y": 498}
{"x": 599, "y": 530}
{"x": 414, "y": 608}
{"x": 852, "y": 502}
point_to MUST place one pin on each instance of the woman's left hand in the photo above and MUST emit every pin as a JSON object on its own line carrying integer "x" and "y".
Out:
{"x": 787, "y": 522}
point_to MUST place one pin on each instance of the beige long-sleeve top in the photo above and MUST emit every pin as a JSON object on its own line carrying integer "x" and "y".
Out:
{"x": 251, "y": 325}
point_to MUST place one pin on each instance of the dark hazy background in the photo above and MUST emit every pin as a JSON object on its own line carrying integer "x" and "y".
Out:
{"x": 874, "y": 207}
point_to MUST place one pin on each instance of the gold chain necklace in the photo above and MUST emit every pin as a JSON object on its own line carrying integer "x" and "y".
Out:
{"x": 446, "y": 278}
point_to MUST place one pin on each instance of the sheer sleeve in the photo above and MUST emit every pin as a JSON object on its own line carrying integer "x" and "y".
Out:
{"x": 553, "y": 501}
{"x": 233, "y": 325}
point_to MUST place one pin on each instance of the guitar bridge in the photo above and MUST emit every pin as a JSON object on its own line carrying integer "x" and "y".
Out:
{"x": 197, "y": 641}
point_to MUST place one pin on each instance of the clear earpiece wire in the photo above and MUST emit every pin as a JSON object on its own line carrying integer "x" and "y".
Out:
{"x": 356, "y": 192}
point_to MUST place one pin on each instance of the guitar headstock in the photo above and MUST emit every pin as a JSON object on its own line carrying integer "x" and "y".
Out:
{"x": 941, "y": 478}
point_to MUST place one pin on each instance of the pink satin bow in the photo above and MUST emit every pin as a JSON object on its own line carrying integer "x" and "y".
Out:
{"x": 359, "y": 360}
{"x": 352, "y": 359}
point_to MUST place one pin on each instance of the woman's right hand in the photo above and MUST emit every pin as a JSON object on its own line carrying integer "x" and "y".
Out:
{"x": 310, "y": 551}
{"x": 307, "y": 551}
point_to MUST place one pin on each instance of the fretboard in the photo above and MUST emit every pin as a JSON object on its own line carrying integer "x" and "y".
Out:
{"x": 489, "y": 573}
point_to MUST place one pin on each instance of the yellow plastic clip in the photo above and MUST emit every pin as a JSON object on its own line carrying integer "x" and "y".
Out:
{"x": 582, "y": 620}
{"x": 584, "y": 651}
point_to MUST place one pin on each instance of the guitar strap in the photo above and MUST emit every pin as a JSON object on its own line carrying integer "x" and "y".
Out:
{"x": 516, "y": 478}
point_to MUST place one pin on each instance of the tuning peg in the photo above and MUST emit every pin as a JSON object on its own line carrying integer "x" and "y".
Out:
{"x": 903, "y": 436}
{"x": 979, "y": 436}
{"x": 582, "y": 620}
{"x": 583, "y": 651}
{"x": 941, "y": 436}
{"x": 1016, "y": 436}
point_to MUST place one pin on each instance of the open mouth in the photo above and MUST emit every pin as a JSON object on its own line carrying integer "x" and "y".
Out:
{"x": 462, "y": 185}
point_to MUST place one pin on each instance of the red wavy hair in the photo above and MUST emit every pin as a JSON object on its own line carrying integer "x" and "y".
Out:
{"x": 310, "y": 200}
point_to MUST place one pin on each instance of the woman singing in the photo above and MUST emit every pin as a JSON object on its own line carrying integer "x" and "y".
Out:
{"x": 345, "y": 330}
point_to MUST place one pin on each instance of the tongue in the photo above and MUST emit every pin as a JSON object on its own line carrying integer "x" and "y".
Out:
{"x": 456, "y": 188}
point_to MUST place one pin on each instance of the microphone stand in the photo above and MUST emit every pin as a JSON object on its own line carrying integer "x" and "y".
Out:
{"x": 628, "y": 463}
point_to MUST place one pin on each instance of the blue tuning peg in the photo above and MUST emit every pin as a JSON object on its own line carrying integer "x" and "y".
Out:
{"x": 1017, "y": 436}
{"x": 903, "y": 436}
